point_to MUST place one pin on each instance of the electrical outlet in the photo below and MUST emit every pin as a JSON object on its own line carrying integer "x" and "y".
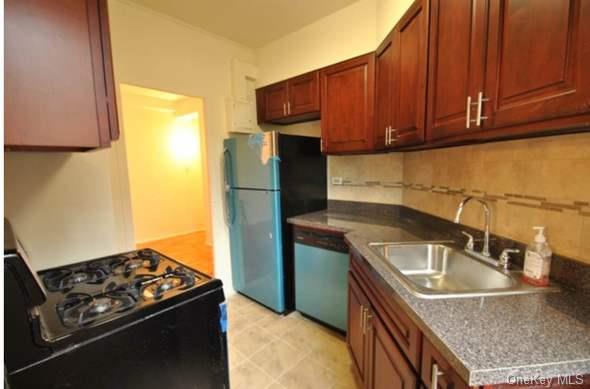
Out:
{"x": 336, "y": 180}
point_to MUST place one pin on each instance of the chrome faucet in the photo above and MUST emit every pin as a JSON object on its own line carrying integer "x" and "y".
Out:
{"x": 488, "y": 215}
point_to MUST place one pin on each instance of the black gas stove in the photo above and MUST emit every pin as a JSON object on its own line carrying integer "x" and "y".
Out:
{"x": 142, "y": 318}
{"x": 90, "y": 293}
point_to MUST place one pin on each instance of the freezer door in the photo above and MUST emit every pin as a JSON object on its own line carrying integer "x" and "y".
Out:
{"x": 254, "y": 161}
{"x": 256, "y": 247}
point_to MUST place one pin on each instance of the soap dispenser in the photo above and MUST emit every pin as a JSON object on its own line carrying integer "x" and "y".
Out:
{"x": 537, "y": 260}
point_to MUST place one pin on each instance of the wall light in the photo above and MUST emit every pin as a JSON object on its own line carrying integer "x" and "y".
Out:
{"x": 184, "y": 144}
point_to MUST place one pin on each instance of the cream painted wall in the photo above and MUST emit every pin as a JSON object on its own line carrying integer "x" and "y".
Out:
{"x": 176, "y": 205}
{"x": 61, "y": 205}
{"x": 388, "y": 14}
{"x": 155, "y": 51}
{"x": 346, "y": 33}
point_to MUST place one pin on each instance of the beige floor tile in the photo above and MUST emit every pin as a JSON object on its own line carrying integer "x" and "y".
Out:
{"x": 331, "y": 353}
{"x": 277, "y": 357}
{"x": 252, "y": 339}
{"x": 308, "y": 374}
{"x": 276, "y": 385}
{"x": 235, "y": 357}
{"x": 239, "y": 322}
{"x": 277, "y": 324}
{"x": 248, "y": 376}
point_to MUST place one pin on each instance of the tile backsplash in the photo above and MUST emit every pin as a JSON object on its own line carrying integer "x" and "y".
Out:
{"x": 369, "y": 178}
{"x": 540, "y": 181}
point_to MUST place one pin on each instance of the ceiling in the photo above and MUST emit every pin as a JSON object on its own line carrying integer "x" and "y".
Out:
{"x": 252, "y": 23}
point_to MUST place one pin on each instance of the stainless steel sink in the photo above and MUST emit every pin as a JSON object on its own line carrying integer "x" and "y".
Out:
{"x": 435, "y": 270}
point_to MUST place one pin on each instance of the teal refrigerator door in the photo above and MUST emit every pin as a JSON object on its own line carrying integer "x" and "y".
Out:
{"x": 253, "y": 160}
{"x": 256, "y": 246}
{"x": 321, "y": 284}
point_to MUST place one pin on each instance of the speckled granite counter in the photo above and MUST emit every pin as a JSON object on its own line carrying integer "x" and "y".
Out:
{"x": 486, "y": 340}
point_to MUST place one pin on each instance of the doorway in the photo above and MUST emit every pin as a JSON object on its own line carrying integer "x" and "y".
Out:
{"x": 165, "y": 147}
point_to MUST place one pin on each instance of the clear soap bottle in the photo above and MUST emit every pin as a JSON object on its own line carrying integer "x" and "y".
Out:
{"x": 537, "y": 260}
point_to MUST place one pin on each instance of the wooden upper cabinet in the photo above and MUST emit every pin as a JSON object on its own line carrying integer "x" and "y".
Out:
{"x": 304, "y": 94}
{"x": 59, "y": 85}
{"x": 347, "y": 105}
{"x": 275, "y": 101}
{"x": 290, "y": 101}
{"x": 456, "y": 64}
{"x": 387, "y": 367}
{"x": 384, "y": 93}
{"x": 410, "y": 53}
{"x": 537, "y": 68}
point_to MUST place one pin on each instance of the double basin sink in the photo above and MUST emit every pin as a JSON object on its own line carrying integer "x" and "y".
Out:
{"x": 437, "y": 270}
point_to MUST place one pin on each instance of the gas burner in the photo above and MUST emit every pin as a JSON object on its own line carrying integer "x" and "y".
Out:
{"x": 64, "y": 280}
{"x": 80, "y": 309}
{"x": 142, "y": 259}
{"x": 179, "y": 278}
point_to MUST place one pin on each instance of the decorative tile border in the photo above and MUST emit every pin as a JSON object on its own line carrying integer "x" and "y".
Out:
{"x": 581, "y": 208}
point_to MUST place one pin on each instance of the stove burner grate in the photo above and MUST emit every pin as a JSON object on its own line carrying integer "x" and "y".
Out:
{"x": 81, "y": 309}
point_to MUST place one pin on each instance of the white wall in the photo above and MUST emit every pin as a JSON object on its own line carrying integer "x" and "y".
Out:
{"x": 346, "y": 33}
{"x": 61, "y": 205}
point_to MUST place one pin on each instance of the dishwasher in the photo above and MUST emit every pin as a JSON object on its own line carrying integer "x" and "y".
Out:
{"x": 321, "y": 268}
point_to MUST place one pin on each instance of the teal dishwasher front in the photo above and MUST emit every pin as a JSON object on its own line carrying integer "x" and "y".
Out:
{"x": 321, "y": 268}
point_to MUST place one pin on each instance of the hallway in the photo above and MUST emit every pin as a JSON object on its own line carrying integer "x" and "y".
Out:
{"x": 190, "y": 249}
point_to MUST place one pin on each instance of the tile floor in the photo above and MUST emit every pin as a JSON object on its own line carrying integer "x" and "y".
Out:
{"x": 270, "y": 351}
{"x": 190, "y": 249}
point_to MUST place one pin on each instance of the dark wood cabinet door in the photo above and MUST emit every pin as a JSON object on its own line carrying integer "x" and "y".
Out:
{"x": 275, "y": 101}
{"x": 436, "y": 367}
{"x": 383, "y": 92}
{"x": 410, "y": 38}
{"x": 388, "y": 368}
{"x": 537, "y": 68}
{"x": 456, "y": 64}
{"x": 355, "y": 332}
{"x": 304, "y": 94}
{"x": 347, "y": 105}
{"x": 59, "y": 91}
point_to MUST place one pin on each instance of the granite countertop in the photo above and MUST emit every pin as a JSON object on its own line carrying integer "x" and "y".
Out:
{"x": 485, "y": 339}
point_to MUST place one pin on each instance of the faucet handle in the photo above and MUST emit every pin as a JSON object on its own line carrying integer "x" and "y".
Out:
{"x": 504, "y": 259}
{"x": 469, "y": 245}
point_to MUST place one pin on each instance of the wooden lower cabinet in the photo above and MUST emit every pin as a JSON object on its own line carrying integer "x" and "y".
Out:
{"x": 355, "y": 335}
{"x": 435, "y": 367}
{"x": 387, "y": 367}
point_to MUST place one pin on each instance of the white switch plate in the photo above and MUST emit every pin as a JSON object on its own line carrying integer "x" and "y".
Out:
{"x": 336, "y": 180}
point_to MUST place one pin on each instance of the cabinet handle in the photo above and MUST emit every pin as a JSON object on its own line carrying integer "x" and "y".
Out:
{"x": 393, "y": 135}
{"x": 387, "y": 136}
{"x": 288, "y": 107}
{"x": 468, "y": 113}
{"x": 363, "y": 312}
{"x": 435, "y": 374}
{"x": 284, "y": 109}
{"x": 480, "y": 100}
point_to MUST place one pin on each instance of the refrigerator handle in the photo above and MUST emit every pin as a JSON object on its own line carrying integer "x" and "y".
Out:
{"x": 227, "y": 176}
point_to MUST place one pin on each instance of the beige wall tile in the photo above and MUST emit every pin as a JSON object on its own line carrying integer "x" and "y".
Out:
{"x": 556, "y": 168}
{"x": 361, "y": 168}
